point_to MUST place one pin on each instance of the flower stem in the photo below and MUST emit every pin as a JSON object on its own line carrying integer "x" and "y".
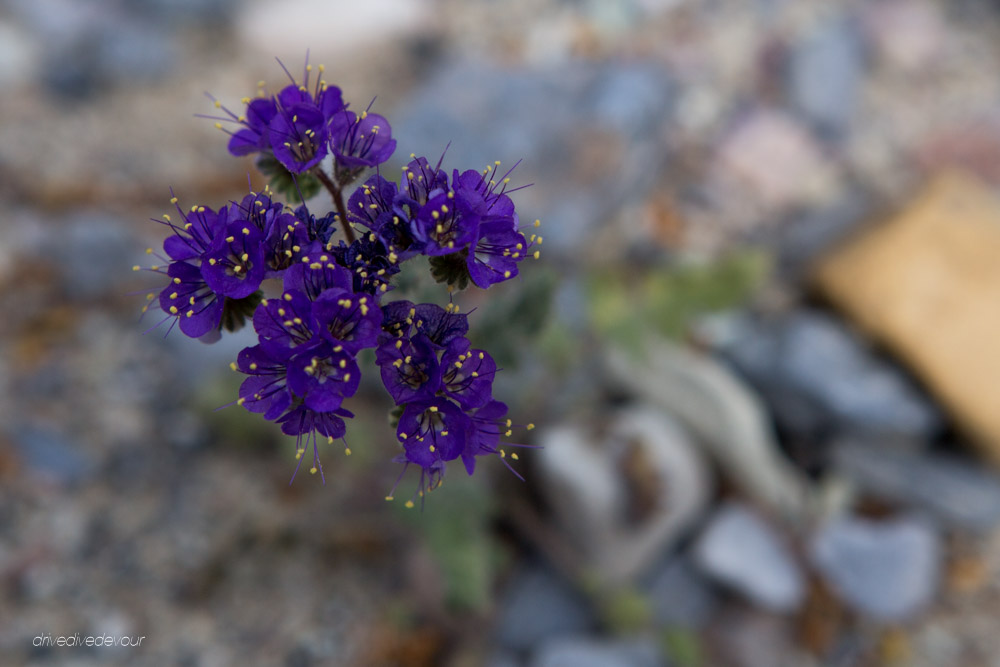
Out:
{"x": 338, "y": 201}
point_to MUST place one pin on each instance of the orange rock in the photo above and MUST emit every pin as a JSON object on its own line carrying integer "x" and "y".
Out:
{"x": 927, "y": 284}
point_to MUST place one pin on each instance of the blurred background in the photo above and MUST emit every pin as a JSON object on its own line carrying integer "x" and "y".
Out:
{"x": 759, "y": 348}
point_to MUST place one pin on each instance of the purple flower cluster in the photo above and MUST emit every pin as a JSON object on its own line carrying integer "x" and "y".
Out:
{"x": 327, "y": 297}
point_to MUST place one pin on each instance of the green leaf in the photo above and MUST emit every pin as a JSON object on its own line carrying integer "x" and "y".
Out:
{"x": 286, "y": 183}
{"x": 451, "y": 269}
{"x": 236, "y": 311}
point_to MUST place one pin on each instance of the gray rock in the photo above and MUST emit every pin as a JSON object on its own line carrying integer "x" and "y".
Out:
{"x": 50, "y": 455}
{"x": 888, "y": 569}
{"x": 825, "y": 73}
{"x": 539, "y": 606}
{"x": 679, "y": 595}
{"x": 954, "y": 490}
{"x": 741, "y": 550}
{"x": 724, "y": 415}
{"x": 589, "y": 489}
{"x": 93, "y": 255}
{"x": 586, "y": 652}
{"x": 805, "y": 236}
{"x": 592, "y": 133}
{"x": 820, "y": 379}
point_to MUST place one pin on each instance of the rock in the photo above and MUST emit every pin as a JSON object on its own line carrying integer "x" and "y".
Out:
{"x": 955, "y": 490}
{"x": 586, "y": 652}
{"x": 722, "y": 412}
{"x": 926, "y": 275}
{"x": 825, "y": 73}
{"x": 537, "y": 607}
{"x": 771, "y": 159}
{"x": 279, "y": 29}
{"x": 679, "y": 595}
{"x": 821, "y": 379}
{"x": 92, "y": 257}
{"x": 807, "y": 235}
{"x": 971, "y": 144}
{"x": 746, "y": 637}
{"x": 18, "y": 53}
{"x": 908, "y": 34}
{"x": 742, "y": 551}
{"x": 888, "y": 569}
{"x": 625, "y": 500}
{"x": 51, "y": 456}
{"x": 604, "y": 147}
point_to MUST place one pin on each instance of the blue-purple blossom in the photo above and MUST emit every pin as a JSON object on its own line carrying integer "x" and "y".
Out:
{"x": 409, "y": 368}
{"x": 331, "y": 296}
{"x": 360, "y": 141}
{"x": 467, "y": 374}
{"x": 432, "y": 431}
{"x": 348, "y": 319}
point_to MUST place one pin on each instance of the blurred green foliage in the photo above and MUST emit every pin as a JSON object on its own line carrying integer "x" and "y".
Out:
{"x": 456, "y": 530}
{"x": 625, "y": 305}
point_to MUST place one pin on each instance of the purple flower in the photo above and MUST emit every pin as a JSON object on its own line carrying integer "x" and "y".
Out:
{"x": 496, "y": 252}
{"x": 439, "y": 325}
{"x": 367, "y": 259}
{"x": 432, "y": 431}
{"x": 487, "y": 424}
{"x": 316, "y": 272}
{"x": 422, "y": 181}
{"x": 293, "y": 125}
{"x": 286, "y": 324}
{"x": 265, "y": 390}
{"x": 444, "y": 226}
{"x": 192, "y": 240}
{"x": 253, "y": 138}
{"x": 234, "y": 265}
{"x": 409, "y": 368}
{"x": 480, "y": 191}
{"x": 299, "y": 137}
{"x": 370, "y": 202}
{"x": 348, "y": 319}
{"x": 467, "y": 374}
{"x": 323, "y": 376}
{"x": 301, "y": 421}
{"x": 188, "y": 297}
{"x": 360, "y": 141}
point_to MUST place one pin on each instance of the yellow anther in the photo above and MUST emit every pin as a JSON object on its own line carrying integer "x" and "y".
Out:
{"x": 173, "y": 310}
{"x": 173, "y": 200}
{"x": 433, "y": 408}
{"x": 536, "y": 254}
{"x": 409, "y": 504}
{"x": 530, "y": 426}
{"x": 513, "y": 455}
